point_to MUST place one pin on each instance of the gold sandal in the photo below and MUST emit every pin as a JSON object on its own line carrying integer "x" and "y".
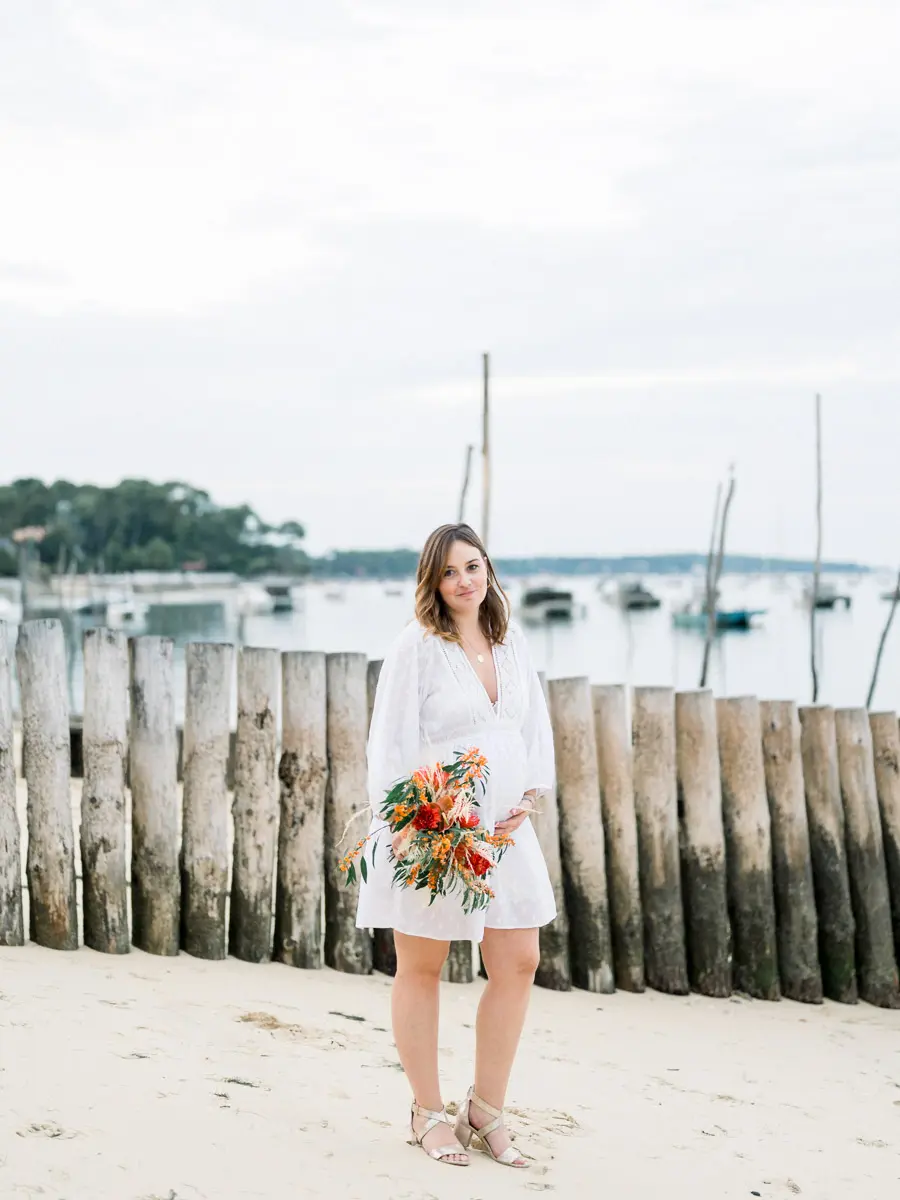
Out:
{"x": 467, "y": 1134}
{"x": 439, "y": 1153}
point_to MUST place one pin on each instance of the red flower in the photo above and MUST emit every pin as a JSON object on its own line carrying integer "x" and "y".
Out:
{"x": 469, "y": 822}
{"x": 479, "y": 864}
{"x": 429, "y": 816}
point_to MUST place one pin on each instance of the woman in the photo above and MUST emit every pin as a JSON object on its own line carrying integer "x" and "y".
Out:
{"x": 458, "y": 676}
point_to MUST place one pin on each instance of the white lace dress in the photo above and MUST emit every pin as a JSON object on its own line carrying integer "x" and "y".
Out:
{"x": 430, "y": 702}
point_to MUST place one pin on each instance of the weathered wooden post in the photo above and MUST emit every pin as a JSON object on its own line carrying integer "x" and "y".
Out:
{"x": 555, "y": 969}
{"x": 255, "y": 805}
{"x": 204, "y": 849}
{"x": 886, "y": 745}
{"x": 614, "y": 769}
{"x": 825, "y": 813}
{"x": 346, "y": 947}
{"x": 384, "y": 954}
{"x": 581, "y": 834}
{"x": 795, "y": 898}
{"x": 656, "y": 809}
{"x": 458, "y": 964}
{"x": 155, "y": 831}
{"x": 704, "y": 873}
{"x": 302, "y": 772}
{"x": 41, "y": 662}
{"x": 748, "y": 838}
{"x": 104, "y": 866}
{"x": 12, "y": 928}
{"x": 876, "y": 964}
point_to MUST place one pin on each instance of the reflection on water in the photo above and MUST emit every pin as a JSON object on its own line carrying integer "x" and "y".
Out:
{"x": 604, "y": 643}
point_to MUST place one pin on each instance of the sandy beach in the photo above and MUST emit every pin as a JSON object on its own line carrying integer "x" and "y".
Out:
{"x": 142, "y": 1078}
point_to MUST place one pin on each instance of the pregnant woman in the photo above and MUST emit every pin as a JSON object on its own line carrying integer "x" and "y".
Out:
{"x": 459, "y": 676}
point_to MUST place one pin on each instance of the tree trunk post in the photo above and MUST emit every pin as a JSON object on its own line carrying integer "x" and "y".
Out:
{"x": 875, "y": 961}
{"x": 886, "y": 745}
{"x": 155, "y": 824}
{"x": 656, "y": 808}
{"x": 104, "y": 864}
{"x": 384, "y": 954}
{"x": 614, "y": 769}
{"x": 255, "y": 806}
{"x": 703, "y": 862}
{"x": 346, "y": 947}
{"x": 825, "y": 813}
{"x": 41, "y": 662}
{"x": 795, "y": 897}
{"x": 555, "y": 969}
{"x": 302, "y": 773}
{"x": 12, "y": 925}
{"x": 204, "y": 850}
{"x": 748, "y": 838}
{"x": 581, "y": 834}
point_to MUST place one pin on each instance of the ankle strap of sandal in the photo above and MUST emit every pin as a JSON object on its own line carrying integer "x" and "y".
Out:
{"x": 436, "y": 1117}
{"x": 483, "y": 1105}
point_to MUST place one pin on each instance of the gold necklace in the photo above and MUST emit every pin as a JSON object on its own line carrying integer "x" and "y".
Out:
{"x": 479, "y": 657}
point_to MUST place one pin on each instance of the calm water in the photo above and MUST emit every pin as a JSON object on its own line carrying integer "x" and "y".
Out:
{"x": 770, "y": 661}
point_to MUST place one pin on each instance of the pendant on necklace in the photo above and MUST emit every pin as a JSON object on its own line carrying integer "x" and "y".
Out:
{"x": 480, "y": 657}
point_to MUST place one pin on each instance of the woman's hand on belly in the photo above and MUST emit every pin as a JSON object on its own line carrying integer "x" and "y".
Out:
{"x": 517, "y": 817}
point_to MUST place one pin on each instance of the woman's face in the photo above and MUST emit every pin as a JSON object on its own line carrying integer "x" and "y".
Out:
{"x": 464, "y": 581}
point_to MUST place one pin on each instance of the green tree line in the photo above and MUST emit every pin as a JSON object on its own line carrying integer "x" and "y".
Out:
{"x": 138, "y": 525}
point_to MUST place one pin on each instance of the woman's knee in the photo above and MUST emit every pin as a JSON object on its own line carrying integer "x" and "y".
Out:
{"x": 514, "y": 962}
{"x": 423, "y": 958}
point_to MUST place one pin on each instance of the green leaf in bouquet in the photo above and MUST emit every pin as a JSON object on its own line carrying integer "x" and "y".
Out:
{"x": 364, "y": 870}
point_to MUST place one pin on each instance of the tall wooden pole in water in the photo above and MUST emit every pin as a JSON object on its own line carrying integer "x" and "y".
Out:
{"x": 485, "y": 457}
{"x": 713, "y": 589}
{"x": 818, "y": 564}
{"x": 465, "y": 487}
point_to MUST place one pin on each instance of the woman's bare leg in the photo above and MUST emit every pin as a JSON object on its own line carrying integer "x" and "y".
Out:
{"x": 415, "y": 1004}
{"x": 511, "y": 957}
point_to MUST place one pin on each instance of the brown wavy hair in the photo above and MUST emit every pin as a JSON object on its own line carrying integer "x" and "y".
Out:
{"x": 431, "y": 611}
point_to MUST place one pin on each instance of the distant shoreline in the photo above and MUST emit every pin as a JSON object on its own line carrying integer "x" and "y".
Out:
{"x": 401, "y": 564}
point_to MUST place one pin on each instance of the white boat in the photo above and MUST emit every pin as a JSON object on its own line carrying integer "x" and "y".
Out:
{"x": 253, "y": 599}
{"x": 124, "y": 609}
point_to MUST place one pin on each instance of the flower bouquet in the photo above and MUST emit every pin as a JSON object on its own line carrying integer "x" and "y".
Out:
{"x": 438, "y": 841}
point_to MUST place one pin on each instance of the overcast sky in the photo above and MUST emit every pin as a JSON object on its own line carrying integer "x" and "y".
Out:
{"x": 260, "y": 247}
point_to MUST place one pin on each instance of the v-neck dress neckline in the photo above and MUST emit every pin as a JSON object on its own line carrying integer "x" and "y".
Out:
{"x": 494, "y": 704}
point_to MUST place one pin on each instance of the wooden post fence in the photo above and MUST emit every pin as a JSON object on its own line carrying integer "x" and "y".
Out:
{"x": 795, "y": 899}
{"x": 255, "y": 806}
{"x": 886, "y": 747}
{"x": 302, "y": 773}
{"x": 346, "y": 947}
{"x": 155, "y": 832}
{"x": 41, "y": 664}
{"x": 555, "y": 969}
{"x": 581, "y": 834}
{"x": 656, "y": 808}
{"x": 704, "y": 874}
{"x": 614, "y": 770}
{"x": 12, "y": 928}
{"x": 825, "y": 813}
{"x": 384, "y": 954}
{"x": 714, "y": 844}
{"x": 104, "y": 865}
{"x": 875, "y": 962}
{"x": 204, "y": 847}
{"x": 748, "y": 838}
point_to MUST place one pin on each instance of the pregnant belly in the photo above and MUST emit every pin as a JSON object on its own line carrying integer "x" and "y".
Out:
{"x": 506, "y": 759}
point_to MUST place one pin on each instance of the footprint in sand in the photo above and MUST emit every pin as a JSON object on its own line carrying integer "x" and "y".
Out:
{"x": 321, "y": 1038}
{"x": 48, "y": 1129}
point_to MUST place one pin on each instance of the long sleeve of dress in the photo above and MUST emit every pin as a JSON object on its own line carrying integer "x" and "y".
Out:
{"x": 392, "y": 750}
{"x": 536, "y": 729}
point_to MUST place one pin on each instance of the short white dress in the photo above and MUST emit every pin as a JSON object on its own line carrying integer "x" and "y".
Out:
{"x": 430, "y": 702}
